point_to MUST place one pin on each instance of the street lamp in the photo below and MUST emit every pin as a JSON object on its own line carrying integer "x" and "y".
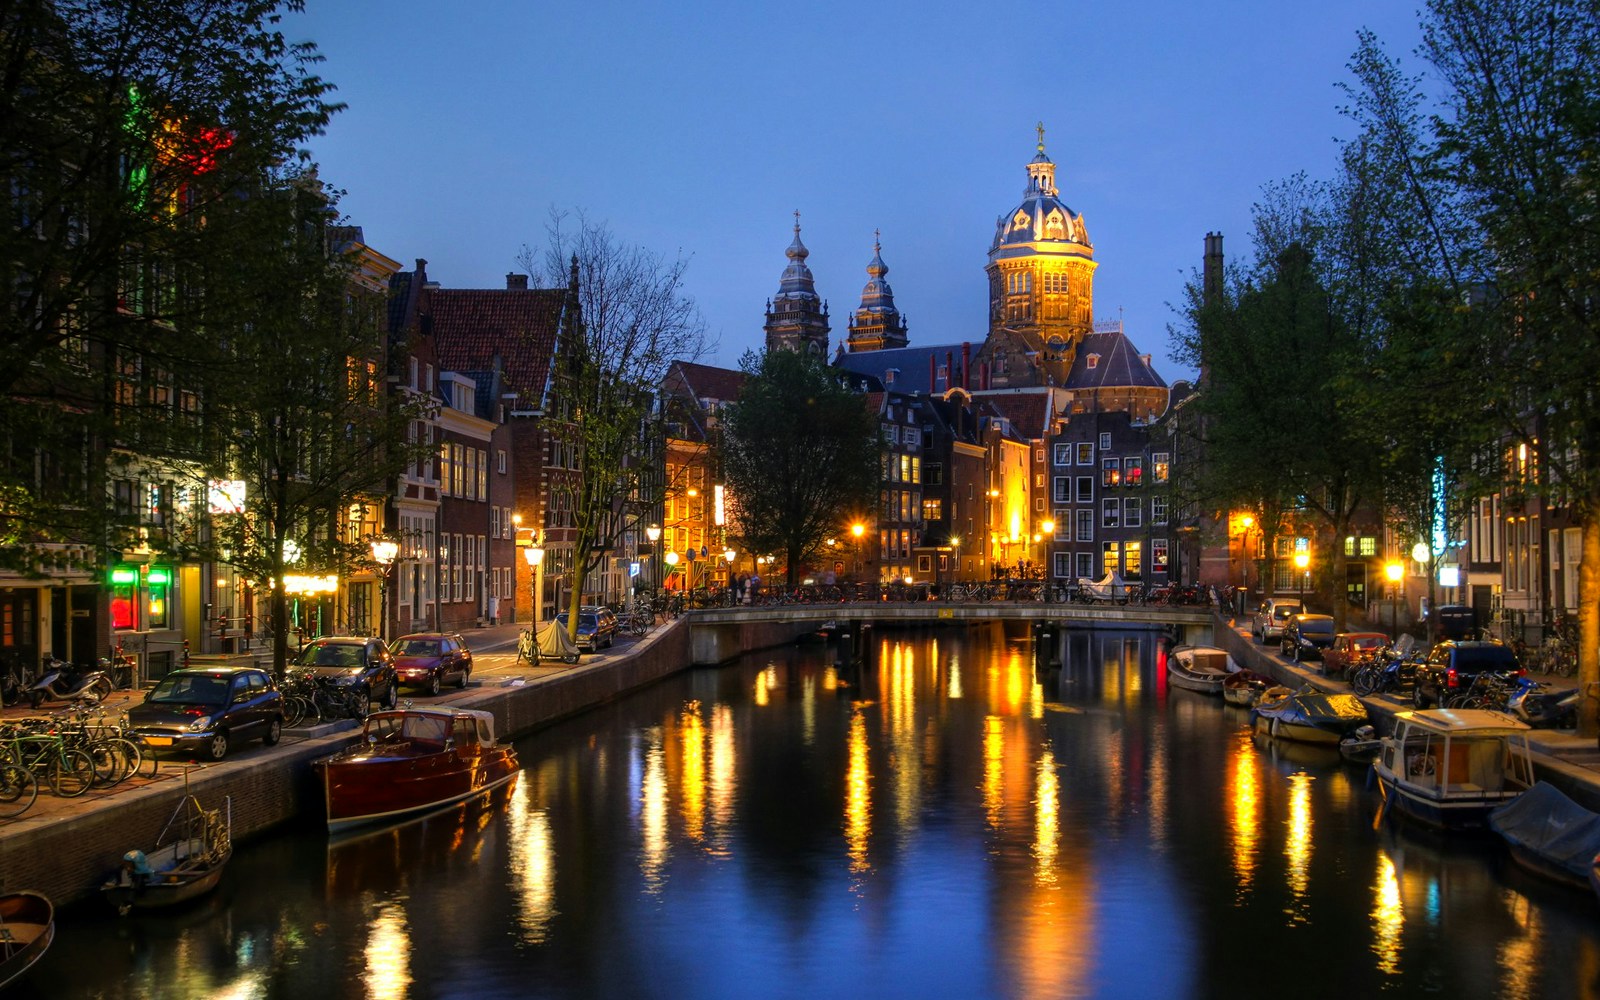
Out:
{"x": 535, "y": 556}
{"x": 384, "y": 552}
{"x": 856, "y": 531}
{"x": 1302, "y": 562}
{"x": 1395, "y": 570}
{"x": 654, "y": 534}
{"x": 1046, "y": 570}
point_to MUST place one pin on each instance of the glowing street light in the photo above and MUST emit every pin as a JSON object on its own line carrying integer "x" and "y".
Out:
{"x": 1302, "y": 562}
{"x": 384, "y": 553}
{"x": 1395, "y": 570}
{"x": 534, "y": 554}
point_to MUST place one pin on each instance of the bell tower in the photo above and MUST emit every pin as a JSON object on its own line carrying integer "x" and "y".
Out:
{"x": 877, "y": 325}
{"x": 797, "y": 320}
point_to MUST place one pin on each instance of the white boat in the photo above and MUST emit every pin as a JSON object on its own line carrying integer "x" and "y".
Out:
{"x": 1450, "y": 768}
{"x": 1198, "y": 668}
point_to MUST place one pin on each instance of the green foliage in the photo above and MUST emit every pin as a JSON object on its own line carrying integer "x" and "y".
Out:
{"x": 802, "y": 454}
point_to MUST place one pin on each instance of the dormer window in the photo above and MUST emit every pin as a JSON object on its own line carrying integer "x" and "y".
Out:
{"x": 1093, "y": 361}
{"x": 1055, "y": 227}
{"x": 1021, "y": 221}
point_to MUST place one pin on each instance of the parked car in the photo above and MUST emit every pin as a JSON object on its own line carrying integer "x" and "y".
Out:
{"x": 1304, "y": 637}
{"x": 429, "y": 659}
{"x": 594, "y": 631}
{"x": 1267, "y": 623}
{"x": 1453, "y": 665}
{"x": 1349, "y": 649}
{"x": 360, "y": 662}
{"x": 207, "y": 710}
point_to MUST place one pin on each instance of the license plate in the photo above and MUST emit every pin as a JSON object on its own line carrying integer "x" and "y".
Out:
{"x": 158, "y": 741}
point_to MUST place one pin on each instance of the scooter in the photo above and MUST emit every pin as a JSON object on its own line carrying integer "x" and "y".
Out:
{"x": 64, "y": 682}
{"x": 1542, "y": 707}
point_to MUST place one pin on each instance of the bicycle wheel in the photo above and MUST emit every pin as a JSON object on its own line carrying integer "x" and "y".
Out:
{"x": 293, "y": 711}
{"x": 1364, "y": 681}
{"x": 18, "y": 790}
{"x": 107, "y": 763}
{"x": 71, "y": 773}
{"x": 131, "y": 757}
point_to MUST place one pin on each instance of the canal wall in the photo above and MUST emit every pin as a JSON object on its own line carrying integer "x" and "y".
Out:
{"x": 69, "y": 852}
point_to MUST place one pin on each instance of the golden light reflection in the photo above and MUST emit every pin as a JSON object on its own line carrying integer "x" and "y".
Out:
{"x": 724, "y": 772}
{"x": 1156, "y": 772}
{"x": 1388, "y": 916}
{"x": 1018, "y": 678}
{"x": 532, "y": 868}
{"x": 858, "y": 796}
{"x": 953, "y": 679}
{"x": 1297, "y": 847}
{"x": 766, "y": 682}
{"x": 653, "y": 816}
{"x": 808, "y": 710}
{"x": 388, "y": 952}
{"x": 830, "y": 678}
{"x": 1046, "y": 819}
{"x": 994, "y": 748}
{"x": 1519, "y": 957}
{"x": 1245, "y": 792}
{"x": 692, "y": 771}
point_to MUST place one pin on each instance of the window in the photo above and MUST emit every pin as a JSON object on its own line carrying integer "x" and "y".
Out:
{"x": 932, "y": 510}
{"x": 1369, "y": 545}
{"x": 1105, "y": 438}
{"x": 1111, "y": 557}
{"x": 1133, "y": 471}
{"x": 1062, "y": 454}
{"x": 1158, "y": 510}
{"x": 1062, "y": 532}
{"x": 1062, "y": 492}
{"x": 1110, "y": 511}
{"x": 1085, "y": 489}
{"x": 1132, "y": 561}
{"x": 1110, "y": 472}
{"x": 1061, "y": 565}
{"x": 933, "y": 474}
{"x": 444, "y": 469}
{"x": 1131, "y": 513}
{"x": 1161, "y": 465}
{"x": 1085, "y": 564}
{"x": 483, "y": 474}
{"x": 1038, "y": 480}
{"x": 1086, "y": 453}
{"x": 1085, "y": 531}
{"x": 500, "y": 461}
{"x": 1158, "y": 555}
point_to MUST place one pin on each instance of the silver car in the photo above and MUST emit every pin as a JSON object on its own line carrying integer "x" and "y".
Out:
{"x": 1267, "y": 624}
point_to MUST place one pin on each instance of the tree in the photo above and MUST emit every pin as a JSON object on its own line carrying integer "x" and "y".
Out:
{"x": 634, "y": 321}
{"x": 128, "y": 129}
{"x": 802, "y": 453}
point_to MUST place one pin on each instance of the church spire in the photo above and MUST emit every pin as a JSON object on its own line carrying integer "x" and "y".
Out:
{"x": 1041, "y": 171}
{"x": 797, "y": 319}
{"x": 877, "y": 324}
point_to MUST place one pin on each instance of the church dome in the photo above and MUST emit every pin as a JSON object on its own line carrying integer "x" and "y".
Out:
{"x": 1042, "y": 221}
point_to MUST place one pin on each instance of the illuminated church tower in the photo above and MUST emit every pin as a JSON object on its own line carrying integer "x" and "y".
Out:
{"x": 877, "y": 325}
{"x": 797, "y": 320}
{"x": 1041, "y": 285}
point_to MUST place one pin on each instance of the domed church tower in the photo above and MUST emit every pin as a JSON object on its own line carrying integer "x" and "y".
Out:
{"x": 1041, "y": 285}
{"x": 877, "y": 325}
{"x": 797, "y": 320}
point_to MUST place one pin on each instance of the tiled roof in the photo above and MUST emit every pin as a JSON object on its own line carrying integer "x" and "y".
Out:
{"x": 910, "y": 365}
{"x": 1029, "y": 412}
{"x": 1117, "y": 364}
{"x": 709, "y": 382}
{"x": 474, "y": 326}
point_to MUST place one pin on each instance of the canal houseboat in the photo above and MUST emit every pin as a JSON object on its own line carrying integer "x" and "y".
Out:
{"x": 1450, "y": 767}
{"x": 412, "y": 762}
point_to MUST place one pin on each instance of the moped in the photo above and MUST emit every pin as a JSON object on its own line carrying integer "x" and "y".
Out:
{"x": 64, "y": 682}
{"x": 1542, "y": 706}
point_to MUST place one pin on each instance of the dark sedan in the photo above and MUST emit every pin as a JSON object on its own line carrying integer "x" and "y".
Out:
{"x": 206, "y": 710}
{"x": 428, "y": 659}
{"x": 595, "y": 631}
{"x": 359, "y": 665}
{"x": 1306, "y": 636}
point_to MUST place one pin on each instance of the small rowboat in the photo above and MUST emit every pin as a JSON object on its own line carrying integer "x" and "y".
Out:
{"x": 1198, "y": 668}
{"x": 1244, "y": 687}
{"x": 27, "y": 926}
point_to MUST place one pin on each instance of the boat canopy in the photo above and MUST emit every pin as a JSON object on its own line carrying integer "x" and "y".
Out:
{"x": 431, "y": 725}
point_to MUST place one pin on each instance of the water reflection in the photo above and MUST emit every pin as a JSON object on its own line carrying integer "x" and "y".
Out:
{"x": 1297, "y": 848}
{"x": 1244, "y": 814}
{"x": 531, "y": 869}
{"x": 858, "y": 796}
{"x": 388, "y": 952}
{"x": 1388, "y": 917}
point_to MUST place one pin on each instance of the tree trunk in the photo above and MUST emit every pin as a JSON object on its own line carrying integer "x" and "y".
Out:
{"x": 1589, "y": 624}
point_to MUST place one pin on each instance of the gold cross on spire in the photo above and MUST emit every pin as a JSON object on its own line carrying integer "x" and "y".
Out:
{"x": 797, "y": 222}
{"x": 1040, "y": 128}
{"x": 875, "y": 234}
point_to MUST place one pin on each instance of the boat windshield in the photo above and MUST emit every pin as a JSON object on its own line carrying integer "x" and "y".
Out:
{"x": 405, "y": 726}
{"x": 190, "y": 689}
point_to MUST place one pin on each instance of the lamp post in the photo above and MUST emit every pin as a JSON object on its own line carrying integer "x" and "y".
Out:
{"x": 654, "y": 534}
{"x": 1302, "y": 562}
{"x": 856, "y": 531}
{"x": 384, "y": 552}
{"x": 1394, "y": 570}
{"x": 534, "y": 554}
{"x": 1047, "y": 527}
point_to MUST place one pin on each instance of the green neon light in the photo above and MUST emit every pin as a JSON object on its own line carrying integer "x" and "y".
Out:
{"x": 124, "y": 575}
{"x": 160, "y": 574}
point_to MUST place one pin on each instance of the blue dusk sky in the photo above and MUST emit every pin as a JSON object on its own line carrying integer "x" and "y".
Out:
{"x": 699, "y": 128}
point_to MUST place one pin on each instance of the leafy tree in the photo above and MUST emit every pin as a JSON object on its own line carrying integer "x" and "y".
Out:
{"x": 635, "y": 321}
{"x": 802, "y": 453}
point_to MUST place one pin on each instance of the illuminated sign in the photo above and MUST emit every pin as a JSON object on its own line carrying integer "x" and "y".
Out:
{"x": 124, "y": 575}
{"x": 719, "y": 509}
{"x": 160, "y": 574}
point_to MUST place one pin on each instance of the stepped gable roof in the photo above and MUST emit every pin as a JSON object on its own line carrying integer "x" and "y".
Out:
{"x": 910, "y": 365}
{"x": 473, "y": 326}
{"x": 1117, "y": 364}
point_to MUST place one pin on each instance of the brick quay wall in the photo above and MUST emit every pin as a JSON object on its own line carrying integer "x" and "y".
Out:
{"x": 66, "y": 850}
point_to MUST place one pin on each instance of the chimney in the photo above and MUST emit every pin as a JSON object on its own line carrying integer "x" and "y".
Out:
{"x": 966, "y": 363}
{"x": 422, "y": 271}
{"x": 516, "y": 282}
{"x": 1211, "y": 274}
{"x": 949, "y": 369}
{"x": 933, "y": 386}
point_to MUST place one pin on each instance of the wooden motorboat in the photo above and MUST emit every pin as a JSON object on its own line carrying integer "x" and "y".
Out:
{"x": 1198, "y": 668}
{"x": 1549, "y": 834}
{"x": 1450, "y": 767}
{"x": 412, "y": 762}
{"x": 1244, "y": 687}
{"x": 1307, "y": 716}
{"x": 27, "y": 926}
{"x": 186, "y": 862}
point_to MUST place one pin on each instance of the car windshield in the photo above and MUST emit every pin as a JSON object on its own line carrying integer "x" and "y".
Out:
{"x": 1285, "y": 611}
{"x": 587, "y": 621}
{"x": 417, "y": 647}
{"x": 191, "y": 689}
{"x": 1367, "y": 641}
{"x": 1485, "y": 658}
{"x": 1319, "y": 627}
{"x": 332, "y": 656}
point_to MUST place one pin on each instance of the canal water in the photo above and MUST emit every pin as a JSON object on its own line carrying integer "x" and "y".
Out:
{"x": 943, "y": 821}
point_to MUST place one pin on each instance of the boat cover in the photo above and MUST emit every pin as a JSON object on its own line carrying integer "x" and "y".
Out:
{"x": 1544, "y": 822}
{"x": 1337, "y": 713}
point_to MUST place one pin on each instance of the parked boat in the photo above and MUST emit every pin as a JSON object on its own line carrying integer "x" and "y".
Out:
{"x": 186, "y": 862}
{"x": 27, "y": 926}
{"x": 1244, "y": 687}
{"x": 1450, "y": 767}
{"x": 1308, "y": 716}
{"x": 1549, "y": 834}
{"x": 1198, "y": 668}
{"x": 412, "y": 762}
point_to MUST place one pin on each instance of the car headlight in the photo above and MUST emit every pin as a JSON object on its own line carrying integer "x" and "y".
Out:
{"x": 200, "y": 725}
{"x": 346, "y": 680}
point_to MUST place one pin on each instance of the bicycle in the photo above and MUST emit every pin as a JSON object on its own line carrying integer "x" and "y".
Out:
{"x": 70, "y": 772}
{"x": 18, "y": 790}
{"x": 527, "y": 646}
